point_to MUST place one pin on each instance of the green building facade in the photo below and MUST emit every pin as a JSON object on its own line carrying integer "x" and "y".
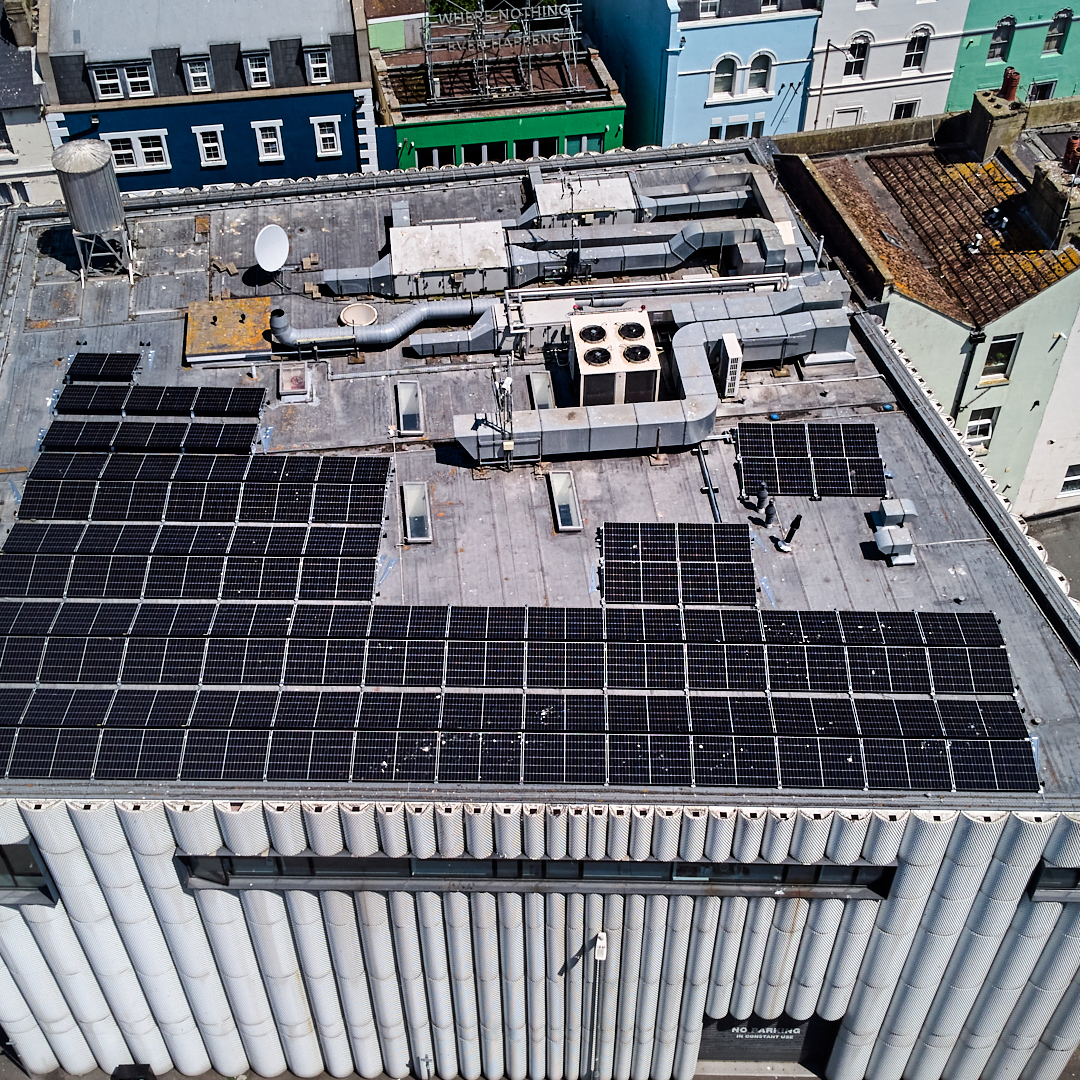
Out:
{"x": 1039, "y": 39}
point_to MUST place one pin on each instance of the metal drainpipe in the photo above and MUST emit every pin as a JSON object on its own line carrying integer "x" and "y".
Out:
{"x": 701, "y": 452}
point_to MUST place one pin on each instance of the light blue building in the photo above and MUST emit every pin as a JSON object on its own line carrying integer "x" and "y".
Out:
{"x": 697, "y": 69}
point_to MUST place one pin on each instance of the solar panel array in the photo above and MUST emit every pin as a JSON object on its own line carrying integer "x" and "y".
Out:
{"x": 102, "y": 367}
{"x": 160, "y": 401}
{"x": 685, "y": 563}
{"x": 810, "y": 459}
{"x": 97, "y": 435}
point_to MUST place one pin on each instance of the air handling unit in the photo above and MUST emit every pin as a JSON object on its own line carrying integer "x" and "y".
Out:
{"x": 615, "y": 358}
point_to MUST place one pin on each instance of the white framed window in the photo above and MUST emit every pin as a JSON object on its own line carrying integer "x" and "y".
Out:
{"x": 980, "y": 427}
{"x": 198, "y": 76}
{"x": 770, "y": 5}
{"x": 905, "y": 110}
{"x": 997, "y": 367}
{"x": 708, "y": 9}
{"x": 1071, "y": 485}
{"x": 915, "y": 51}
{"x": 139, "y": 81}
{"x": 257, "y": 71}
{"x": 759, "y": 76}
{"x": 855, "y": 64}
{"x": 327, "y": 135}
{"x": 211, "y": 147}
{"x": 723, "y": 81}
{"x": 268, "y": 139}
{"x": 319, "y": 66}
{"x": 106, "y": 83}
{"x": 139, "y": 151}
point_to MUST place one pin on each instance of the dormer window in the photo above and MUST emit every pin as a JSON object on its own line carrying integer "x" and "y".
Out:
{"x": 198, "y": 76}
{"x": 138, "y": 80}
{"x": 257, "y": 71}
{"x": 319, "y": 67}
{"x": 106, "y": 83}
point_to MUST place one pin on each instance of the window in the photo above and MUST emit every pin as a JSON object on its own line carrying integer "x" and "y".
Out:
{"x": 1071, "y": 486}
{"x": 578, "y": 144}
{"x": 1056, "y": 33}
{"x": 527, "y": 148}
{"x": 770, "y": 5}
{"x": 855, "y": 64}
{"x": 737, "y": 131}
{"x": 268, "y": 139}
{"x": 139, "y": 151}
{"x": 211, "y": 150}
{"x": 318, "y": 65}
{"x": 435, "y": 156}
{"x": 757, "y": 129}
{"x": 760, "y": 69}
{"x": 257, "y": 70}
{"x": 980, "y": 427}
{"x": 107, "y": 83}
{"x": 905, "y": 110}
{"x": 709, "y": 9}
{"x": 915, "y": 53}
{"x": 478, "y": 153}
{"x": 1002, "y": 39}
{"x": 327, "y": 135}
{"x": 198, "y": 76}
{"x": 20, "y": 869}
{"x": 846, "y": 117}
{"x": 1000, "y": 356}
{"x": 1042, "y": 91}
{"x": 723, "y": 82}
{"x": 716, "y": 133}
{"x": 138, "y": 80}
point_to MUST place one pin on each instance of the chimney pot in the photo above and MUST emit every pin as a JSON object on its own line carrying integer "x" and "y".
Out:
{"x": 1071, "y": 158}
{"x": 1009, "y": 84}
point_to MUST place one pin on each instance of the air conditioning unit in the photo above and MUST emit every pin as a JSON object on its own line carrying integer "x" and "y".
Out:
{"x": 615, "y": 358}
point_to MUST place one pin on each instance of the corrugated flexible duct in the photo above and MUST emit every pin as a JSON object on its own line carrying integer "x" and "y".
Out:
{"x": 536, "y": 982}
{"x": 393, "y": 834}
{"x": 609, "y": 991}
{"x": 479, "y": 831}
{"x": 555, "y": 962}
{"x": 114, "y": 867}
{"x": 93, "y": 924}
{"x": 781, "y": 951}
{"x": 323, "y": 827}
{"x": 285, "y": 824}
{"x": 852, "y": 938}
{"x": 358, "y": 825}
{"x": 729, "y": 935}
{"x": 450, "y": 831}
{"x": 818, "y": 938}
{"x": 575, "y": 960}
{"x": 630, "y": 983}
{"x": 373, "y": 911}
{"x": 512, "y": 963}
{"x": 672, "y": 985}
{"x": 153, "y": 845}
{"x": 420, "y": 818}
{"x": 692, "y": 1015}
{"x": 618, "y": 833}
{"x": 720, "y": 834}
{"x": 30, "y": 973}
{"x": 12, "y": 827}
{"x": 243, "y": 827}
{"x": 532, "y": 826}
{"x": 577, "y": 832}
{"x": 488, "y": 993}
{"x": 591, "y": 983}
{"x": 759, "y": 917}
{"x": 195, "y": 827}
{"x": 695, "y": 824}
{"x": 1059, "y": 1041}
{"x": 411, "y": 977}
{"x": 652, "y": 961}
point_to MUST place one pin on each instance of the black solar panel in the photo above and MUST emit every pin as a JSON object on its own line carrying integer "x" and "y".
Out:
{"x": 102, "y": 367}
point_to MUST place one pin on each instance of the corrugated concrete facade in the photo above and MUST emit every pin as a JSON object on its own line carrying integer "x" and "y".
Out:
{"x": 956, "y": 975}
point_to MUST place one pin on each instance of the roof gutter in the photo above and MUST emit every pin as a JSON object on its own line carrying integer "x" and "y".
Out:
{"x": 991, "y": 511}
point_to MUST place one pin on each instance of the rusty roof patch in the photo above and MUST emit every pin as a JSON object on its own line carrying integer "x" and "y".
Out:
{"x": 228, "y": 329}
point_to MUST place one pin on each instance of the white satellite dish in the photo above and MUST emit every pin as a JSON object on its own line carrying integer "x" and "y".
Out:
{"x": 271, "y": 248}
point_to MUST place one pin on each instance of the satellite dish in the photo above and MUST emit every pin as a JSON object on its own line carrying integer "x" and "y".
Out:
{"x": 271, "y": 248}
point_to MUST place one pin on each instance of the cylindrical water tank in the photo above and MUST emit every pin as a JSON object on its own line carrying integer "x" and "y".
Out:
{"x": 88, "y": 181}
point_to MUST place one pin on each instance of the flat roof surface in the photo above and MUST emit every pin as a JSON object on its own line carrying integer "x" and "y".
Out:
{"x": 493, "y": 537}
{"x": 585, "y": 196}
{"x": 931, "y": 203}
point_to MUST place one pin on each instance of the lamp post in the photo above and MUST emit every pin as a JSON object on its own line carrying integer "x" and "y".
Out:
{"x": 829, "y": 46}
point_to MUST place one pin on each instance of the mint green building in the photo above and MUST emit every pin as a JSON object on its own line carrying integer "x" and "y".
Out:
{"x": 1039, "y": 39}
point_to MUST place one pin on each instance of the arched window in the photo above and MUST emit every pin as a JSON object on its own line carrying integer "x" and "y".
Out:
{"x": 723, "y": 81}
{"x": 760, "y": 69}
{"x": 1002, "y": 39}
{"x": 855, "y": 64}
{"x": 1056, "y": 32}
{"x": 915, "y": 53}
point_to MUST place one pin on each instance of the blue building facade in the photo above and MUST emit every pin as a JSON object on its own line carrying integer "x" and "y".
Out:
{"x": 159, "y": 146}
{"x": 691, "y": 70}
{"x": 194, "y": 93}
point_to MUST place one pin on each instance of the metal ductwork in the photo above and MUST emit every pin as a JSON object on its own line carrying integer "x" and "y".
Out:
{"x": 380, "y": 335}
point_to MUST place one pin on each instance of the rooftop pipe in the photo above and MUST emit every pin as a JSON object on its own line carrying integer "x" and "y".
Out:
{"x": 1009, "y": 83}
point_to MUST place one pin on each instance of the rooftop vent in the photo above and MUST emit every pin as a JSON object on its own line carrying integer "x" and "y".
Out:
{"x": 636, "y": 354}
{"x": 596, "y": 357}
{"x": 1009, "y": 83}
{"x": 592, "y": 333}
{"x": 631, "y": 331}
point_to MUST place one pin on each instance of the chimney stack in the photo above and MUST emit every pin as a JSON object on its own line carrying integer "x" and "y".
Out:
{"x": 1009, "y": 84}
{"x": 1071, "y": 158}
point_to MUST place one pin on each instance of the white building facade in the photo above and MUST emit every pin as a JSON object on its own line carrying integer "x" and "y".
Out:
{"x": 875, "y": 61}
